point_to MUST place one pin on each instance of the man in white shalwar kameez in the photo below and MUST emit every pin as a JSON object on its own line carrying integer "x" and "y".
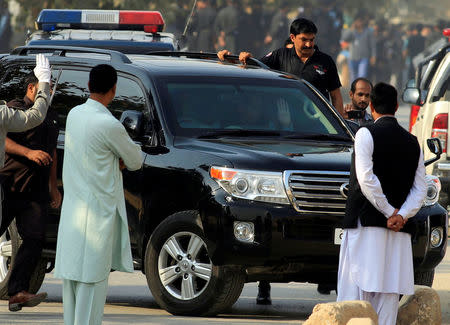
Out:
{"x": 93, "y": 232}
{"x": 387, "y": 186}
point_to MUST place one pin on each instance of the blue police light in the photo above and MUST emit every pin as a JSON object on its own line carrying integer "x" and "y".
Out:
{"x": 49, "y": 20}
{"x": 148, "y": 21}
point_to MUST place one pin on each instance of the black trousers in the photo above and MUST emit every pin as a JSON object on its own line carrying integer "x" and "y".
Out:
{"x": 31, "y": 221}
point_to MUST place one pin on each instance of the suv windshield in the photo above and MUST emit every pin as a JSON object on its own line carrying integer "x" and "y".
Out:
{"x": 206, "y": 107}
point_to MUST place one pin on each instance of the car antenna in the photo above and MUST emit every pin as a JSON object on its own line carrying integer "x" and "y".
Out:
{"x": 188, "y": 22}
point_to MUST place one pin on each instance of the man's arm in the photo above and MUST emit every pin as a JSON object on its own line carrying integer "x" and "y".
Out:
{"x": 417, "y": 194}
{"x": 368, "y": 181}
{"x": 336, "y": 100}
{"x": 38, "y": 156}
{"x": 123, "y": 146}
{"x": 55, "y": 195}
{"x": 13, "y": 120}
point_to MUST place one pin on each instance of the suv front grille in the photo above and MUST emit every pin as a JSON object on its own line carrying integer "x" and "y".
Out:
{"x": 317, "y": 191}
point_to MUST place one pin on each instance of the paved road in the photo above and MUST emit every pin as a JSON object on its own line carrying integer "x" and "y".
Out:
{"x": 129, "y": 300}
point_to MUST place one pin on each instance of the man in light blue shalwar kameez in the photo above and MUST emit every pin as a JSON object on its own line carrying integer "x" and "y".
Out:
{"x": 93, "y": 232}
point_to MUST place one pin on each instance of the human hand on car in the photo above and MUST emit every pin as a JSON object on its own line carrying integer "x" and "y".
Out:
{"x": 42, "y": 70}
{"x": 221, "y": 54}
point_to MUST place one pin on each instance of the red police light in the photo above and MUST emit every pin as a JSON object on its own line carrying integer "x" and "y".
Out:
{"x": 152, "y": 21}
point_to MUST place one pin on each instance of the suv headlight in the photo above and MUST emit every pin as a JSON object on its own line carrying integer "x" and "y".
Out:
{"x": 251, "y": 185}
{"x": 433, "y": 189}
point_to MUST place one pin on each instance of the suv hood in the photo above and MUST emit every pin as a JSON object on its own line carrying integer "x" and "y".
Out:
{"x": 273, "y": 154}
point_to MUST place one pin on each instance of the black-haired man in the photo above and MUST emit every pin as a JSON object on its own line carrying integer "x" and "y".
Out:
{"x": 16, "y": 120}
{"x": 303, "y": 60}
{"x": 29, "y": 182}
{"x": 93, "y": 232}
{"x": 375, "y": 262}
{"x": 360, "y": 96}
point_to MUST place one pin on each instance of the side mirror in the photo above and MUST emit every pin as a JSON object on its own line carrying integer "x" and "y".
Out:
{"x": 133, "y": 121}
{"x": 434, "y": 144}
{"x": 411, "y": 96}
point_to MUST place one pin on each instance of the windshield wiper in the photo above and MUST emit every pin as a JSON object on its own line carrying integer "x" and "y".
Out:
{"x": 318, "y": 137}
{"x": 237, "y": 133}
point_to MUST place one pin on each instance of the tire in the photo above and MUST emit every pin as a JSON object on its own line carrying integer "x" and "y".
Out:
{"x": 9, "y": 245}
{"x": 424, "y": 278}
{"x": 186, "y": 290}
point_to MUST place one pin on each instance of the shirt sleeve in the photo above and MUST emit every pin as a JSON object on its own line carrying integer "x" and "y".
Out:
{"x": 272, "y": 60}
{"x": 368, "y": 181}
{"x": 417, "y": 194}
{"x": 333, "y": 77}
{"x": 16, "y": 120}
{"x": 123, "y": 146}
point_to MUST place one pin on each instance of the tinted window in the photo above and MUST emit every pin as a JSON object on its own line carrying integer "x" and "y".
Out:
{"x": 72, "y": 91}
{"x": 129, "y": 96}
{"x": 195, "y": 105}
{"x": 12, "y": 85}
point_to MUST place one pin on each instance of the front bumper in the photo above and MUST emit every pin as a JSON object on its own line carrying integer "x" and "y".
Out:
{"x": 296, "y": 242}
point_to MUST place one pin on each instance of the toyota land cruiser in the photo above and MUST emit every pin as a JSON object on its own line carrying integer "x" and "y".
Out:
{"x": 245, "y": 175}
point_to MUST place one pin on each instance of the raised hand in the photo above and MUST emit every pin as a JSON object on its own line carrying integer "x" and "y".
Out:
{"x": 42, "y": 70}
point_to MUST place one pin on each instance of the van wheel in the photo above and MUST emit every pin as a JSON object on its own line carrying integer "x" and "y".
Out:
{"x": 424, "y": 278}
{"x": 180, "y": 274}
{"x": 9, "y": 245}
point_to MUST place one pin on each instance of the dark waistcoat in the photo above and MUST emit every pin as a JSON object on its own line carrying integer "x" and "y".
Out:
{"x": 395, "y": 158}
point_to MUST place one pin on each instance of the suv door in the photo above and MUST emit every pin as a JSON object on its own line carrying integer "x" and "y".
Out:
{"x": 437, "y": 105}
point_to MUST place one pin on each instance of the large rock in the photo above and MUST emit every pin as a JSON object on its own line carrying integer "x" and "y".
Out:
{"x": 361, "y": 321}
{"x": 421, "y": 308}
{"x": 340, "y": 313}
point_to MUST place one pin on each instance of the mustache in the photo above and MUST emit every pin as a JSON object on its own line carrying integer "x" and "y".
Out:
{"x": 306, "y": 48}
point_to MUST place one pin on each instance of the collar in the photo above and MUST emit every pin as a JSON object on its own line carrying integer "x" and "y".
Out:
{"x": 385, "y": 117}
{"x": 97, "y": 105}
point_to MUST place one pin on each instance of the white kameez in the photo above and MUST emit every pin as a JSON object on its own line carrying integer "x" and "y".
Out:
{"x": 375, "y": 263}
{"x": 376, "y": 259}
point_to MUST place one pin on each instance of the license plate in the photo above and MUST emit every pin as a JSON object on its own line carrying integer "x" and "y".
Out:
{"x": 338, "y": 234}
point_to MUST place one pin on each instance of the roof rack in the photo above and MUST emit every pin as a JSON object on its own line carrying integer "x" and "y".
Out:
{"x": 116, "y": 56}
{"x": 210, "y": 56}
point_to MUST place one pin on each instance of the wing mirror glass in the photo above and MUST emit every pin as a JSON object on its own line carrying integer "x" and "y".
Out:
{"x": 434, "y": 144}
{"x": 133, "y": 121}
{"x": 411, "y": 96}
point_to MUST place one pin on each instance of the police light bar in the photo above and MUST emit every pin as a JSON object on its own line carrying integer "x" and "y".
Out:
{"x": 148, "y": 21}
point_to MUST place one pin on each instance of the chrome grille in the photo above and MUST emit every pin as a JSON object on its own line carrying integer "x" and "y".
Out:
{"x": 316, "y": 191}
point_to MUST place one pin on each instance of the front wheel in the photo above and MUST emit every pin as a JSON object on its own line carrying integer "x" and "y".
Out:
{"x": 180, "y": 274}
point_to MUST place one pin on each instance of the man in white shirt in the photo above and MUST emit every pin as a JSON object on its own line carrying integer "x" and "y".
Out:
{"x": 376, "y": 256}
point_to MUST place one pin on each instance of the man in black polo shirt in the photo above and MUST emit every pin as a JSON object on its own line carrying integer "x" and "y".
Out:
{"x": 304, "y": 60}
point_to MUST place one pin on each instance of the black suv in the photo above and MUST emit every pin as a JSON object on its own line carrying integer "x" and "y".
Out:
{"x": 245, "y": 175}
